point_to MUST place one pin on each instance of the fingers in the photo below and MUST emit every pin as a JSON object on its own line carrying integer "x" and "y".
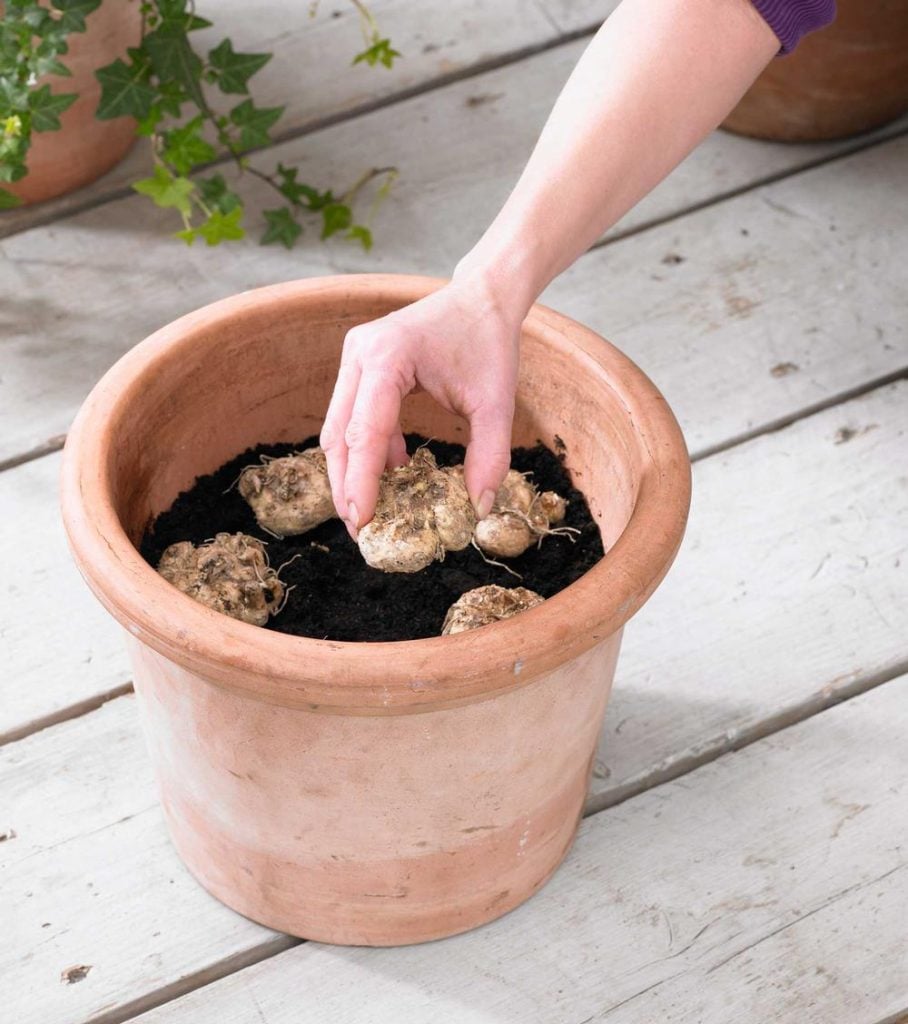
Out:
{"x": 488, "y": 453}
{"x": 334, "y": 429}
{"x": 373, "y": 427}
{"x": 397, "y": 451}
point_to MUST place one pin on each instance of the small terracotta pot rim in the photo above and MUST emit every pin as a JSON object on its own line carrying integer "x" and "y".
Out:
{"x": 386, "y": 677}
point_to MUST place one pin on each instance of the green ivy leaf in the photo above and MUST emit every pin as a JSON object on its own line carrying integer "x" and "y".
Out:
{"x": 380, "y": 52}
{"x": 235, "y": 69}
{"x": 222, "y": 227}
{"x": 187, "y": 235}
{"x": 13, "y": 94}
{"x": 46, "y": 108}
{"x": 171, "y": 97}
{"x": 184, "y": 148}
{"x": 175, "y": 11}
{"x": 49, "y": 65}
{"x": 360, "y": 233}
{"x": 8, "y": 200}
{"x": 282, "y": 227}
{"x": 297, "y": 192}
{"x": 148, "y": 125}
{"x": 12, "y": 170}
{"x": 335, "y": 217}
{"x": 124, "y": 91}
{"x": 74, "y": 13}
{"x": 171, "y": 8}
{"x": 166, "y": 189}
{"x": 254, "y": 123}
{"x": 214, "y": 192}
{"x": 174, "y": 59}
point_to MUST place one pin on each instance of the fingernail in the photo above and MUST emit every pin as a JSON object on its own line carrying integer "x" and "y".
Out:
{"x": 485, "y": 503}
{"x": 353, "y": 516}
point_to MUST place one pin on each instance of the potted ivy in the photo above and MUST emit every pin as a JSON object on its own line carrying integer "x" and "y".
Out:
{"x": 80, "y": 80}
{"x": 365, "y": 792}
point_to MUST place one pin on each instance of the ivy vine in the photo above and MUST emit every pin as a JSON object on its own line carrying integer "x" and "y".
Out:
{"x": 167, "y": 86}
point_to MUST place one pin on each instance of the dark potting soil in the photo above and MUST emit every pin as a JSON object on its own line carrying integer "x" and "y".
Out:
{"x": 336, "y": 596}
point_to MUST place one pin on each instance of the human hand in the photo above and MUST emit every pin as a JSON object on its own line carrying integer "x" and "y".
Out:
{"x": 461, "y": 345}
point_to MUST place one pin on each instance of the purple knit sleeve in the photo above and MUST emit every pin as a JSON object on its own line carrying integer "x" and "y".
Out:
{"x": 793, "y": 19}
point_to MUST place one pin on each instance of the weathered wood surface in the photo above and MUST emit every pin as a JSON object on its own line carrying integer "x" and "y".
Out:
{"x": 459, "y": 149}
{"x": 311, "y": 73}
{"x": 788, "y": 594}
{"x": 764, "y": 306}
{"x": 730, "y": 644}
{"x": 62, "y": 651}
{"x": 90, "y": 879}
{"x": 748, "y": 330}
{"x": 770, "y": 885}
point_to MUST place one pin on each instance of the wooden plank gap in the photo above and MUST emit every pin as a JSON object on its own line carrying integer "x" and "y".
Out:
{"x": 48, "y": 447}
{"x": 198, "y": 979}
{"x": 734, "y": 740}
{"x": 65, "y": 714}
{"x": 899, "y": 1017}
{"x": 860, "y": 145}
{"x": 774, "y": 426}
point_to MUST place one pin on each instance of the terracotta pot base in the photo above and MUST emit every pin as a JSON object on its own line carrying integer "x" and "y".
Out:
{"x": 432, "y": 870}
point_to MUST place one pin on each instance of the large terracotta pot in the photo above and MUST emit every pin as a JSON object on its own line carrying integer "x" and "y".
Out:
{"x": 364, "y": 793}
{"x": 849, "y": 77}
{"x": 84, "y": 148}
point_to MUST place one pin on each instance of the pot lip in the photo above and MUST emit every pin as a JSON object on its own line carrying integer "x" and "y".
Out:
{"x": 392, "y": 676}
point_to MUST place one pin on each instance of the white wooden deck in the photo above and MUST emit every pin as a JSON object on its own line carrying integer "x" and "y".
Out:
{"x": 743, "y": 856}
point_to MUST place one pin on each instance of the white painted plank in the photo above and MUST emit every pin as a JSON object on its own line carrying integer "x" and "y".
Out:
{"x": 61, "y": 648}
{"x": 459, "y": 149}
{"x": 311, "y": 72}
{"x": 90, "y": 879}
{"x": 789, "y": 591}
{"x": 769, "y": 885}
{"x": 776, "y": 301}
{"x": 578, "y": 15}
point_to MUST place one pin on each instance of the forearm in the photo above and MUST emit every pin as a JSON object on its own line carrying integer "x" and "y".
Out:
{"x": 657, "y": 77}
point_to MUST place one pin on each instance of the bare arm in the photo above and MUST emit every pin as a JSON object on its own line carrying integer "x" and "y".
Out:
{"x": 657, "y": 77}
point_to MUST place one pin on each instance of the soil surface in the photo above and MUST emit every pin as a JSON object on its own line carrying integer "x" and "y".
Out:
{"x": 335, "y": 595}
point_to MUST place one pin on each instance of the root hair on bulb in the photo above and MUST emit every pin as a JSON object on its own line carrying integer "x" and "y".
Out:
{"x": 491, "y": 561}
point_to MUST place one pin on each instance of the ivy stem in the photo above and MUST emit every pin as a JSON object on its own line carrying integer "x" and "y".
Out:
{"x": 363, "y": 180}
{"x": 367, "y": 22}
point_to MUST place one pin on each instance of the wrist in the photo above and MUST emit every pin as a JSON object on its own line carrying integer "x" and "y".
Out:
{"x": 506, "y": 279}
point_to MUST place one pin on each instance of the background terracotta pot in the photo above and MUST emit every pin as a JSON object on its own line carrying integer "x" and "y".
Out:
{"x": 366, "y": 793}
{"x": 847, "y": 78}
{"x": 84, "y": 148}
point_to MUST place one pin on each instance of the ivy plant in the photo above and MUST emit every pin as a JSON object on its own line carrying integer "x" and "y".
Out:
{"x": 191, "y": 105}
{"x": 33, "y": 38}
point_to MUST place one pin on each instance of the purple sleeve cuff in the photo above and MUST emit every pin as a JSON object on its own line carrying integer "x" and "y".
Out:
{"x": 793, "y": 19}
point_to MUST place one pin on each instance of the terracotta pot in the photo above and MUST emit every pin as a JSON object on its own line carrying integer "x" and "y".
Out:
{"x": 849, "y": 77}
{"x": 84, "y": 148}
{"x": 379, "y": 793}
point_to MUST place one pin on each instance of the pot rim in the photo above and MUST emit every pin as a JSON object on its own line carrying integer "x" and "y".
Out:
{"x": 390, "y": 677}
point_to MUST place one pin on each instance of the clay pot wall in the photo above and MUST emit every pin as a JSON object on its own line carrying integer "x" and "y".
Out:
{"x": 366, "y": 793}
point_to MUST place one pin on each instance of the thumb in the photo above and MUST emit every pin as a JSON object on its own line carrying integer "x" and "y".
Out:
{"x": 488, "y": 453}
